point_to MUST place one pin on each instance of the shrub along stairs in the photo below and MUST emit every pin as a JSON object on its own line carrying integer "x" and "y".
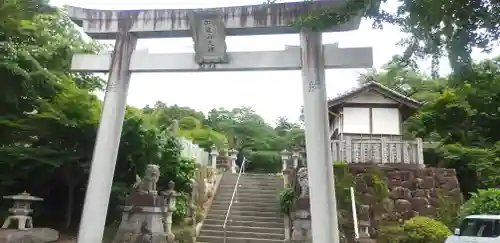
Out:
{"x": 254, "y": 218}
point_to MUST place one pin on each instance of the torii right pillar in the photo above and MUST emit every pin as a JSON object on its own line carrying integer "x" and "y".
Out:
{"x": 324, "y": 221}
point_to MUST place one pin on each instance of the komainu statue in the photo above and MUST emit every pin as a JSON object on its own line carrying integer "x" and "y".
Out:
{"x": 148, "y": 183}
{"x": 303, "y": 182}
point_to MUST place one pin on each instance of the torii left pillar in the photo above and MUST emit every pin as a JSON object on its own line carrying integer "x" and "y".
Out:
{"x": 108, "y": 136}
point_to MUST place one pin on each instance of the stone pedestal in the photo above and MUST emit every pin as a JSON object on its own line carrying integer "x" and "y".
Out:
{"x": 142, "y": 220}
{"x": 302, "y": 225}
{"x": 147, "y": 216}
{"x": 37, "y": 235}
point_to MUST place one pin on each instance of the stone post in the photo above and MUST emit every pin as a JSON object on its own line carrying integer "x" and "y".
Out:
{"x": 193, "y": 197}
{"x": 384, "y": 149}
{"x": 108, "y": 135}
{"x": 322, "y": 190}
{"x": 213, "y": 156}
{"x": 295, "y": 158}
{"x": 301, "y": 226}
{"x": 302, "y": 158}
{"x": 170, "y": 199}
{"x": 233, "y": 157}
{"x": 420, "y": 153}
{"x": 288, "y": 227}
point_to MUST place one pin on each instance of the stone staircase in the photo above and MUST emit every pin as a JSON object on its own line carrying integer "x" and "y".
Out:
{"x": 254, "y": 218}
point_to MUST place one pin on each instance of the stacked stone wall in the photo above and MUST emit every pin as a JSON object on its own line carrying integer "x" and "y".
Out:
{"x": 412, "y": 191}
{"x": 384, "y": 194}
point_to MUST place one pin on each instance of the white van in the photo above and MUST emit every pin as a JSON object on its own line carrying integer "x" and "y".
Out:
{"x": 477, "y": 229}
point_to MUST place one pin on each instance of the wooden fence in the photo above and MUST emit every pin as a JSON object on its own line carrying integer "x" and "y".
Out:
{"x": 378, "y": 151}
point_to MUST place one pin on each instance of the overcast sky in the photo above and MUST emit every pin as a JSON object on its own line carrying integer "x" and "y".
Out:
{"x": 271, "y": 94}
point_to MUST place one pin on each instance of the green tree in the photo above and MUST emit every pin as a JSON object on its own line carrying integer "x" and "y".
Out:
{"x": 464, "y": 117}
{"x": 405, "y": 80}
{"x": 191, "y": 124}
{"x": 482, "y": 202}
{"x": 49, "y": 118}
{"x": 434, "y": 28}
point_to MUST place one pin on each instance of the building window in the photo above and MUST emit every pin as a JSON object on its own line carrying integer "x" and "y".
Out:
{"x": 356, "y": 120}
{"x": 385, "y": 121}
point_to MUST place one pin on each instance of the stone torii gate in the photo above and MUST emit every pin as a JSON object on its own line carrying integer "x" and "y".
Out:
{"x": 209, "y": 27}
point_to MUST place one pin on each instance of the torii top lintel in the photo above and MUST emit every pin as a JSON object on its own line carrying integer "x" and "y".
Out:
{"x": 238, "y": 20}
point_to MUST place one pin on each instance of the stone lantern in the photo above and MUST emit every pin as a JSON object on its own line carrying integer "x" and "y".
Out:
{"x": 233, "y": 157}
{"x": 213, "y": 154}
{"x": 20, "y": 211}
{"x": 364, "y": 229}
{"x": 295, "y": 158}
{"x": 285, "y": 156}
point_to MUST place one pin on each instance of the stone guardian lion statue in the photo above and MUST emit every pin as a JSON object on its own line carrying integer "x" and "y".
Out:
{"x": 148, "y": 183}
{"x": 303, "y": 182}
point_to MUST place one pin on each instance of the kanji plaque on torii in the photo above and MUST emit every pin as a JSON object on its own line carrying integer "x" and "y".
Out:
{"x": 209, "y": 37}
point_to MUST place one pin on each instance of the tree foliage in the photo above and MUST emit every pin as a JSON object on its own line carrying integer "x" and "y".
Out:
{"x": 415, "y": 230}
{"x": 482, "y": 202}
{"x": 49, "y": 118}
{"x": 461, "y": 117}
{"x": 435, "y": 28}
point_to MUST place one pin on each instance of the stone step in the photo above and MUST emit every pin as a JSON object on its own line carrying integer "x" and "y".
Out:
{"x": 273, "y": 195}
{"x": 251, "y": 193}
{"x": 254, "y": 176}
{"x": 274, "y": 204}
{"x": 238, "y": 206}
{"x": 237, "y": 234}
{"x": 247, "y": 198}
{"x": 276, "y": 180}
{"x": 250, "y": 188}
{"x": 235, "y": 212}
{"x": 263, "y": 174}
{"x": 254, "y": 184}
{"x": 235, "y": 218}
{"x": 247, "y": 190}
{"x": 244, "y": 228}
{"x": 243, "y": 223}
{"x": 262, "y": 179}
{"x": 217, "y": 239}
{"x": 267, "y": 193}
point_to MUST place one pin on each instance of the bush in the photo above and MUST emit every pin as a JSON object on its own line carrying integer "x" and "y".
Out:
{"x": 482, "y": 202}
{"x": 184, "y": 234}
{"x": 264, "y": 162}
{"x": 286, "y": 200}
{"x": 200, "y": 215}
{"x": 416, "y": 230}
{"x": 425, "y": 230}
{"x": 448, "y": 211}
{"x": 391, "y": 234}
{"x": 179, "y": 170}
{"x": 181, "y": 209}
{"x": 343, "y": 182}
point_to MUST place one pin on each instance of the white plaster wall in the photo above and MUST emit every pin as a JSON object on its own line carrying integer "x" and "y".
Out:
{"x": 386, "y": 121}
{"x": 356, "y": 120}
{"x": 371, "y": 97}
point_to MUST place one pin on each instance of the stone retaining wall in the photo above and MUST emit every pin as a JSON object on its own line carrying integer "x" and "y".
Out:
{"x": 412, "y": 192}
{"x": 387, "y": 194}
